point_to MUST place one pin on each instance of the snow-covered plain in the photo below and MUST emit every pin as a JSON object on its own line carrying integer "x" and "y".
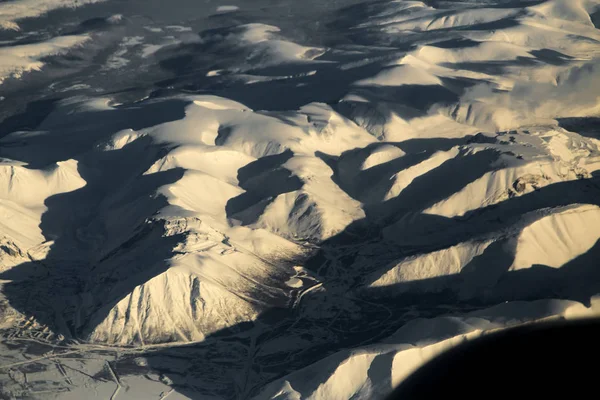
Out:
{"x": 283, "y": 201}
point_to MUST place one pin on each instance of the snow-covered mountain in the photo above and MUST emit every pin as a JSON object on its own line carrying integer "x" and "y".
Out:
{"x": 285, "y": 201}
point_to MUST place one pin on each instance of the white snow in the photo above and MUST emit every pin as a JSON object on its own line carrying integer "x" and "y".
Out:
{"x": 436, "y": 264}
{"x": 13, "y": 11}
{"x": 551, "y": 239}
{"x": 226, "y": 9}
{"x": 558, "y": 238}
{"x": 17, "y": 60}
{"x": 23, "y": 192}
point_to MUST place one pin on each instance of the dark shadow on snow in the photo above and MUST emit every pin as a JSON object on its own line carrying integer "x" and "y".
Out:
{"x": 33, "y": 115}
{"x": 94, "y": 126}
{"x": 263, "y": 180}
{"x": 585, "y": 126}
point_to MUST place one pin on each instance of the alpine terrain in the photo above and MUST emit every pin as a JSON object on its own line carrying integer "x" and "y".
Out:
{"x": 281, "y": 199}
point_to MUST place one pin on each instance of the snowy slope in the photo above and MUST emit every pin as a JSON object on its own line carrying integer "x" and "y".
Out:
{"x": 12, "y": 12}
{"x": 373, "y": 371}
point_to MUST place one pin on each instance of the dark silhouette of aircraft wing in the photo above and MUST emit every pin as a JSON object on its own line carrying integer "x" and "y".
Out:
{"x": 559, "y": 360}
